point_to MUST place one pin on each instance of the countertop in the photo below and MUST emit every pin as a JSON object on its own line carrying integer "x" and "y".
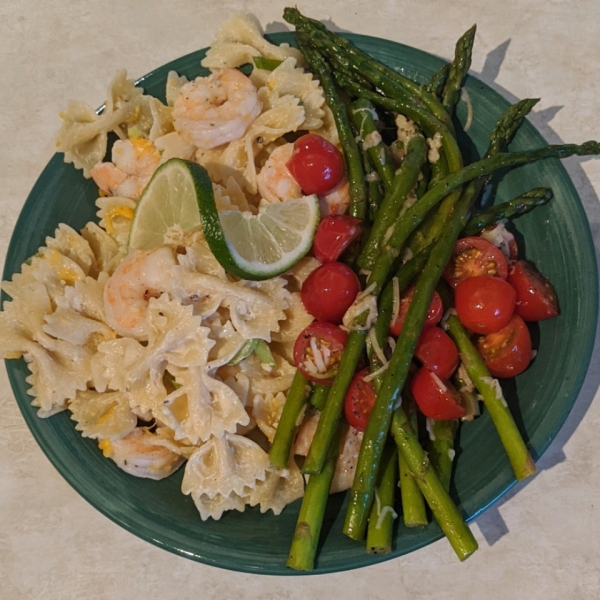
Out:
{"x": 540, "y": 541}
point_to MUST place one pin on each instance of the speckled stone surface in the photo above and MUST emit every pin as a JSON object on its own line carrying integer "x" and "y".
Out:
{"x": 541, "y": 541}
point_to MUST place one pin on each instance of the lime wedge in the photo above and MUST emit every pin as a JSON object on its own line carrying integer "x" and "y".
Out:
{"x": 169, "y": 200}
{"x": 246, "y": 245}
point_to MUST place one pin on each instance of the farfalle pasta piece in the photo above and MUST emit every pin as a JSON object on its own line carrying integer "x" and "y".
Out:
{"x": 105, "y": 248}
{"x": 213, "y": 508}
{"x": 266, "y": 410}
{"x": 175, "y": 337}
{"x": 116, "y": 214}
{"x": 280, "y": 488}
{"x": 288, "y": 79}
{"x": 102, "y": 416}
{"x": 239, "y": 40}
{"x": 201, "y": 407}
{"x": 71, "y": 244}
{"x": 226, "y": 465}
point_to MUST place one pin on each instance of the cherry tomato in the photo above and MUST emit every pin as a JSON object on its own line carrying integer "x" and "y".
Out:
{"x": 318, "y": 350}
{"x": 474, "y": 256}
{"x": 435, "y": 398}
{"x": 359, "y": 401}
{"x": 437, "y": 352}
{"x": 434, "y": 313}
{"x": 536, "y": 297}
{"x": 334, "y": 234}
{"x": 485, "y": 304}
{"x": 316, "y": 164}
{"x": 507, "y": 352}
{"x": 329, "y": 290}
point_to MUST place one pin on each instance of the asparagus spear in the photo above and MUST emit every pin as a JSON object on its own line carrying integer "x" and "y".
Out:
{"x": 520, "y": 459}
{"x": 419, "y": 93}
{"x": 413, "y": 504}
{"x": 354, "y": 167}
{"x": 438, "y": 80}
{"x": 440, "y": 448}
{"x": 362, "y": 113}
{"x": 381, "y": 521}
{"x": 458, "y": 69}
{"x": 284, "y": 435}
{"x": 403, "y": 184}
{"x": 512, "y": 208}
{"x": 310, "y": 518}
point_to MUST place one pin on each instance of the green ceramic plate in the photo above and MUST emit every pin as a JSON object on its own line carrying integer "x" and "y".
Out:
{"x": 556, "y": 237}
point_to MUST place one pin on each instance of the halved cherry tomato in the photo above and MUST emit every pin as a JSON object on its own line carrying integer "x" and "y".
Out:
{"x": 507, "y": 352}
{"x": 474, "y": 256}
{"x": 316, "y": 164}
{"x": 536, "y": 297}
{"x": 435, "y": 398}
{"x": 437, "y": 352}
{"x": 359, "y": 401}
{"x": 434, "y": 313}
{"x": 329, "y": 290}
{"x": 484, "y": 304}
{"x": 334, "y": 234}
{"x": 318, "y": 350}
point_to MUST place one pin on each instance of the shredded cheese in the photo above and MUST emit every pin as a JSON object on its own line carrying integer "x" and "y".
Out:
{"x": 464, "y": 95}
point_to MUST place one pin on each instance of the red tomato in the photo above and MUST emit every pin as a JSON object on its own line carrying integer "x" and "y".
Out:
{"x": 474, "y": 256}
{"x": 507, "y": 352}
{"x": 437, "y": 352}
{"x": 334, "y": 234}
{"x": 316, "y": 164}
{"x": 359, "y": 401}
{"x": 318, "y": 350}
{"x": 484, "y": 304}
{"x": 329, "y": 290}
{"x": 435, "y": 398}
{"x": 536, "y": 297}
{"x": 434, "y": 313}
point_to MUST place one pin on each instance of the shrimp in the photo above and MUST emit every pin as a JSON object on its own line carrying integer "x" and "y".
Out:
{"x": 275, "y": 182}
{"x": 347, "y": 458}
{"x": 133, "y": 164}
{"x": 213, "y": 110}
{"x": 144, "y": 274}
{"x": 139, "y": 455}
{"x": 336, "y": 201}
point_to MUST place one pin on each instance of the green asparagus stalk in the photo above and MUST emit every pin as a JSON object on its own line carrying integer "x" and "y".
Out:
{"x": 438, "y": 80}
{"x": 295, "y": 403}
{"x": 404, "y": 182}
{"x": 491, "y": 393}
{"x": 356, "y": 178}
{"x": 319, "y": 396}
{"x": 442, "y": 506}
{"x": 381, "y": 521}
{"x": 362, "y": 114}
{"x": 332, "y": 411}
{"x": 394, "y": 378}
{"x": 414, "y": 512}
{"x": 411, "y": 219}
{"x": 310, "y": 518}
{"x": 512, "y": 208}
{"x": 315, "y": 29}
{"x": 458, "y": 69}
{"x": 440, "y": 448}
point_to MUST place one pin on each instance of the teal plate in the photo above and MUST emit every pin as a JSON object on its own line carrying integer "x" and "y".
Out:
{"x": 556, "y": 237}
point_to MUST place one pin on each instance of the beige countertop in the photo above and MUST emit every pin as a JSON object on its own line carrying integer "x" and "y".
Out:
{"x": 541, "y": 541}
